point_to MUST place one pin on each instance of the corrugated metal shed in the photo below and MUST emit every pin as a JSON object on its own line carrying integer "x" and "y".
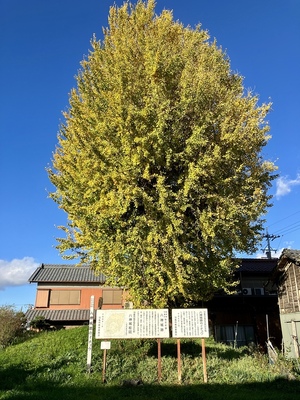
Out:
{"x": 65, "y": 273}
{"x": 290, "y": 326}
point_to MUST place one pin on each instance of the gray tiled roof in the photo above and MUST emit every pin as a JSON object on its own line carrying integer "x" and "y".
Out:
{"x": 65, "y": 273}
{"x": 69, "y": 273}
{"x": 58, "y": 315}
{"x": 258, "y": 265}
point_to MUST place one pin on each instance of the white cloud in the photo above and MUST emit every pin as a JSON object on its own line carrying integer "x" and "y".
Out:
{"x": 16, "y": 272}
{"x": 284, "y": 185}
{"x": 274, "y": 253}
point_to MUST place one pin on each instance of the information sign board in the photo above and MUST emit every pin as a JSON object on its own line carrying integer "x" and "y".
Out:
{"x": 190, "y": 323}
{"x": 105, "y": 345}
{"x": 132, "y": 324}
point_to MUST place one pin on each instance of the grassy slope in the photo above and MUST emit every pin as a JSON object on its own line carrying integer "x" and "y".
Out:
{"x": 52, "y": 365}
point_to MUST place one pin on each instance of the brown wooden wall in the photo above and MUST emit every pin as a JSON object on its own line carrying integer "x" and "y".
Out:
{"x": 80, "y": 298}
{"x": 289, "y": 290}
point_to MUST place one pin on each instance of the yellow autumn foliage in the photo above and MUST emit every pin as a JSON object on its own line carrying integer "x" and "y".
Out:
{"x": 159, "y": 164}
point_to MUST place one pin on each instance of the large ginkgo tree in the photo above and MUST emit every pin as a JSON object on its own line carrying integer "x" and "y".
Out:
{"x": 159, "y": 163}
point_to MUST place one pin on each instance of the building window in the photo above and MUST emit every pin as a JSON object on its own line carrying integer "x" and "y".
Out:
{"x": 234, "y": 335}
{"x": 64, "y": 297}
{"x": 112, "y": 296}
{"x": 42, "y": 298}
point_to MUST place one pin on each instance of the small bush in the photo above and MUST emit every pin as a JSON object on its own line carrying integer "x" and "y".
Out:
{"x": 39, "y": 323}
{"x": 11, "y": 324}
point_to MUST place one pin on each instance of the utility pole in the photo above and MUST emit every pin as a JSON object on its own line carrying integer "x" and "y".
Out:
{"x": 269, "y": 238}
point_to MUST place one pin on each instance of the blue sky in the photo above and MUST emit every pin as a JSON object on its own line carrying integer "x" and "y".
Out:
{"x": 42, "y": 44}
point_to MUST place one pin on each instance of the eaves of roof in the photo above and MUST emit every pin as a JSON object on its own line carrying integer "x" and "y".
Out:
{"x": 58, "y": 315}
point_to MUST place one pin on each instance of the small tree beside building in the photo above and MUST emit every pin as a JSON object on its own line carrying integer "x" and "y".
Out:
{"x": 12, "y": 324}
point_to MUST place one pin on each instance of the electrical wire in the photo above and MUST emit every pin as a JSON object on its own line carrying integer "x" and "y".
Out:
{"x": 295, "y": 226}
{"x": 289, "y": 216}
{"x": 291, "y": 227}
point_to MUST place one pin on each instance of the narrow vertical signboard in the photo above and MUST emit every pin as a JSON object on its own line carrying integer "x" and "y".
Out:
{"x": 90, "y": 336}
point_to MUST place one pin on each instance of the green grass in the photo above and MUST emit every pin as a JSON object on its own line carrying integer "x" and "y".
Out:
{"x": 52, "y": 365}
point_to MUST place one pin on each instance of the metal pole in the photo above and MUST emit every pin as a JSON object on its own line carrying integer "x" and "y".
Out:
{"x": 267, "y": 323}
{"x": 235, "y": 335}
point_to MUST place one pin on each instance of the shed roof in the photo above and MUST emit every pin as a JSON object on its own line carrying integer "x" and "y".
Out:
{"x": 65, "y": 273}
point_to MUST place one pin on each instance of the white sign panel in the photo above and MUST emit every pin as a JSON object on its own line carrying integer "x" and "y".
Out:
{"x": 132, "y": 324}
{"x": 190, "y": 323}
{"x": 105, "y": 346}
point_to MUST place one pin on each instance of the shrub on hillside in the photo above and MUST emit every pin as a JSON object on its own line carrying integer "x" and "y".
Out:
{"x": 39, "y": 323}
{"x": 11, "y": 324}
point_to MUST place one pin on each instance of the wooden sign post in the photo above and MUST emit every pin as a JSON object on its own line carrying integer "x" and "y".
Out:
{"x": 104, "y": 346}
{"x": 204, "y": 361}
{"x": 104, "y": 366}
{"x": 159, "y": 360}
{"x": 179, "y": 360}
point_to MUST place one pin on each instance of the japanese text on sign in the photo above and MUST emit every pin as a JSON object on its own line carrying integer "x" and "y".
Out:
{"x": 132, "y": 324}
{"x": 190, "y": 323}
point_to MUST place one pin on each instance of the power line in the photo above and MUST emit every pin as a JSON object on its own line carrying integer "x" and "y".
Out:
{"x": 291, "y": 227}
{"x": 289, "y": 216}
{"x": 295, "y": 226}
{"x": 292, "y": 230}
